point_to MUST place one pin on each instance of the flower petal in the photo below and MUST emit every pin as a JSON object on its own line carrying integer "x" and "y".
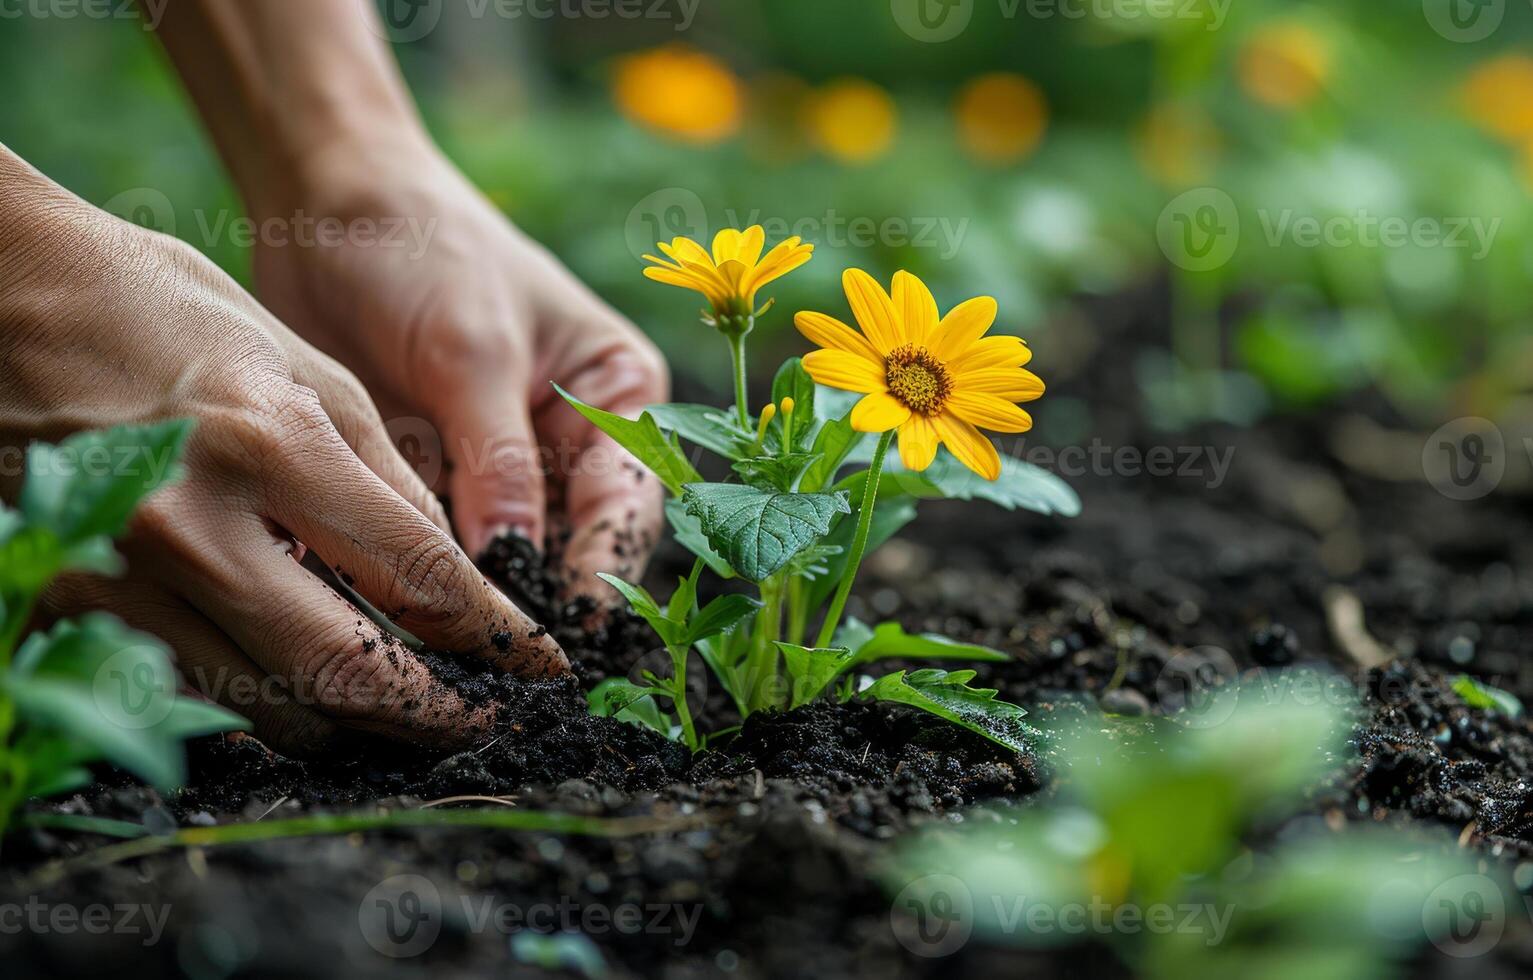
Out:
{"x": 849, "y": 372}
{"x": 685, "y": 250}
{"x": 989, "y": 412}
{"x": 1012, "y": 384}
{"x": 965, "y": 324}
{"x": 879, "y": 412}
{"x": 874, "y": 311}
{"x": 751, "y": 241}
{"x": 916, "y": 306}
{"x": 970, "y": 447}
{"x": 827, "y": 331}
{"x": 988, "y": 352}
{"x": 780, "y": 261}
{"x": 918, "y": 443}
{"x": 686, "y": 280}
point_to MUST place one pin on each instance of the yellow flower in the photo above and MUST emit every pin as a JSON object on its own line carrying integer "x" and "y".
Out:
{"x": 1001, "y": 117}
{"x": 729, "y": 277}
{"x": 1285, "y": 65}
{"x": 852, "y": 119}
{"x": 936, "y": 380}
{"x": 1499, "y": 97}
{"x": 679, "y": 91}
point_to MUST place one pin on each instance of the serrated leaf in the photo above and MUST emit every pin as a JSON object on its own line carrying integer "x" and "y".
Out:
{"x": 1020, "y": 486}
{"x": 89, "y": 484}
{"x": 643, "y": 439}
{"x": 832, "y": 445}
{"x": 889, "y": 641}
{"x": 773, "y": 472}
{"x": 1478, "y": 694}
{"x": 947, "y": 695}
{"x": 689, "y": 534}
{"x": 645, "y": 607}
{"x": 812, "y": 669}
{"x": 721, "y": 615}
{"x": 679, "y": 607}
{"x": 714, "y": 429}
{"x": 758, "y": 531}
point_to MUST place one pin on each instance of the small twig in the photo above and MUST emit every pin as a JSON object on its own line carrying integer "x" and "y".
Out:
{"x": 1344, "y": 617}
{"x": 268, "y": 811}
{"x": 470, "y": 798}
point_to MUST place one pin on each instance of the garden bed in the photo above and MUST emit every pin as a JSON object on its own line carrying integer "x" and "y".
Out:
{"x": 764, "y": 854}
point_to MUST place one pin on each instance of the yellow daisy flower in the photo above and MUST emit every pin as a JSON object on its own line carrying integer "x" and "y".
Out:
{"x": 732, "y": 274}
{"x": 935, "y": 380}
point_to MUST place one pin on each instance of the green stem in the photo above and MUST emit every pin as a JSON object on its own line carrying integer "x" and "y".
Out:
{"x": 737, "y": 359}
{"x": 761, "y": 662}
{"x": 679, "y": 698}
{"x": 859, "y": 541}
{"x": 336, "y": 824}
{"x": 798, "y": 612}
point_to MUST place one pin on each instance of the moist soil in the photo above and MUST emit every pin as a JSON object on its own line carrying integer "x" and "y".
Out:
{"x": 769, "y": 865}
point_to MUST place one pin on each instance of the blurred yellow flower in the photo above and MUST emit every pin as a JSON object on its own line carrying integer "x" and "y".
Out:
{"x": 679, "y": 91}
{"x": 1285, "y": 65}
{"x": 1178, "y": 144}
{"x": 1498, "y": 96}
{"x": 851, "y": 119}
{"x": 935, "y": 380}
{"x": 731, "y": 275}
{"x": 1001, "y": 117}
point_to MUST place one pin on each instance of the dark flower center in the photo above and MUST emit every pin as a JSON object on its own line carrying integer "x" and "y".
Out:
{"x": 917, "y": 379}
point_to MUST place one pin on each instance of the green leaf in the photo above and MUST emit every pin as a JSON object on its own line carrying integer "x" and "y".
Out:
{"x": 642, "y": 438}
{"x": 947, "y": 695}
{"x": 759, "y": 531}
{"x": 679, "y": 608}
{"x": 721, "y": 615}
{"x": 644, "y": 605}
{"x": 89, "y": 484}
{"x": 689, "y": 534}
{"x": 70, "y": 707}
{"x": 1020, "y": 486}
{"x": 1478, "y": 694}
{"x": 192, "y": 718}
{"x": 619, "y": 698}
{"x": 773, "y": 472}
{"x": 812, "y": 669}
{"x": 712, "y": 428}
{"x": 890, "y": 641}
{"x": 792, "y": 381}
{"x": 832, "y": 444}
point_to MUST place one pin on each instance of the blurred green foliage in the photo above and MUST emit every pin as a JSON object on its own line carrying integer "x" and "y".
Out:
{"x": 1350, "y": 112}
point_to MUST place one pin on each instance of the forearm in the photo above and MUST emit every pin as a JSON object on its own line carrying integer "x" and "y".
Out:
{"x": 277, "y": 80}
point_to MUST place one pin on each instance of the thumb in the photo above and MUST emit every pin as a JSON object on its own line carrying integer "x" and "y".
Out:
{"x": 496, "y": 484}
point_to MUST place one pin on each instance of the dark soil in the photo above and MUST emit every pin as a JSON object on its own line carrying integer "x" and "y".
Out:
{"x": 776, "y": 871}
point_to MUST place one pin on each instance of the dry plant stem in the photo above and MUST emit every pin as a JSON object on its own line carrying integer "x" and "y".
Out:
{"x": 859, "y": 541}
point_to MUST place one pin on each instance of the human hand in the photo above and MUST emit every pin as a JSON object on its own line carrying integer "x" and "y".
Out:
{"x": 105, "y": 323}
{"x": 465, "y": 322}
